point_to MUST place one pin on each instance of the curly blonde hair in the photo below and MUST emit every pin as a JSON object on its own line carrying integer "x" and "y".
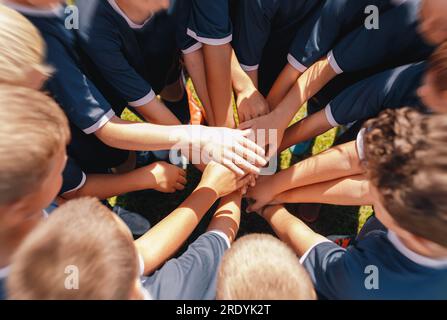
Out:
{"x": 406, "y": 159}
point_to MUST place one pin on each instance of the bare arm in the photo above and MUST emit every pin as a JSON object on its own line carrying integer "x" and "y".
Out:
{"x": 286, "y": 79}
{"x": 159, "y": 176}
{"x": 292, "y": 230}
{"x": 335, "y": 163}
{"x": 195, "y": 65}
{"x": 308, "y": 128}
{"x": 228, "y": 216}
{"x": 351, "y": 191}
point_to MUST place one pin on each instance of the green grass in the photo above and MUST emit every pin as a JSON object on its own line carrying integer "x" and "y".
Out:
{"x": 333, "y": 220}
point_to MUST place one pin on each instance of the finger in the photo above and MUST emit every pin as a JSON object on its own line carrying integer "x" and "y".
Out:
{"x": 251, "y": 151}
{"x": 243, "y": 182}
{"x": 242, "y": 117}
{"x": 182, "y": 172}
{"x": 179, "y": 186}
{"x": 242, "y": 163}
{"x": 182, "y": 180}
{"x": 230, "y": 165}
{"x": 246, "y": 125}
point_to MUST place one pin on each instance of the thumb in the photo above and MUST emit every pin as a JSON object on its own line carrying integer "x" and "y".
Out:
{"x": 246, "y": 125}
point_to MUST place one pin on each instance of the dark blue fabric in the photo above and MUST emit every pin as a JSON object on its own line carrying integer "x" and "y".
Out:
{"x": 341, "y": 274}
{"x": 393, "y": 88}
{"x": 73, "y": 176}
{"x": 128, "y": 63}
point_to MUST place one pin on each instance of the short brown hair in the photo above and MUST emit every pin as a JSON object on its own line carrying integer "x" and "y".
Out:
{"x": 261, "y": 267}
{"x": 438, "y": 67}
{"x": 82, "y": 233}
{"x": 406, "y": 160}
{"x": 22, "y": 48}
{"x": 33, "y": 128}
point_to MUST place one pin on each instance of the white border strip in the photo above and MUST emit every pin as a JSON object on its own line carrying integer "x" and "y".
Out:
{"x": 413, "y": 256}
{"x": 131, "y": 24}
{"x": 101, "y": 122}
{"x": 145, "y": 100}
{"x": 80, "y": 185}
{"x": 330, "y": 117}
{"x": 296, "y": 64}
{"x": 360, "y": 143}
{"x": 193, "y": 48}
{"x": 333, "y": 63}
{"x": 223, "y": 236}
{"x": 304, "y": 257}
{"x": 208, "y": 41}
{"x": 249, "y": 68}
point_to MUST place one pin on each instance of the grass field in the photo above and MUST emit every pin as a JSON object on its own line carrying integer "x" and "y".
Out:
{"x": 333, "y": 219}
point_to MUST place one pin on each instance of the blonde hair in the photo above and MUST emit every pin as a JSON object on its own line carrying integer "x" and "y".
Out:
{"x": 33, "y": 129}
{"x": 261, "y": 267}
{"x": 22, "y": 49}
{"x": 82, "y": 238}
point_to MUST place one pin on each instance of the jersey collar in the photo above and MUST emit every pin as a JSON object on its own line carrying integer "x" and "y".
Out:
{"x": 55, "y": 11}
{"x": 131, "y": 24}
{"x": 415, "y": 257}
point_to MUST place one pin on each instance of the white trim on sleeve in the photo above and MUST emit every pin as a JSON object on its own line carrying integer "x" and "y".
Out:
{"x": 249, "y": 68}
{"x": 193, "y": 48}
{"x": 131, "y": 24}
{"x": 330, "y": 117}
{"x": 80, "y": 185}
{"x": 4, "y": 272}
{"x": 360, "y": 144}
{"x": 145, "y": 100}
{"x": 304, "y": 257}
{"x": 333, "y": 62}
{"x": 209, "y": 41}
{"x": 296, "y": 64}
{"x": 100, "y": 123}
{"x": 223, "y": 236}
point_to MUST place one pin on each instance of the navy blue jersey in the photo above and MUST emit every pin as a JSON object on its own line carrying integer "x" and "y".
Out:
{"x": 83, "y": 104}
{"x": 378, "y": 266}
{"x": 327, "y": 25}
{"x": 210, "y": 22}
{"x": 256, "y": 21}
{"x": 393, "y": 88}
{"x": 73, "y": 177}
{"x": 130, "y": 63}
{"x": 397, "y": 41}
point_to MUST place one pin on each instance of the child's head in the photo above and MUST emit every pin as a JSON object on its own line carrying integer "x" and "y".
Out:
{"x": 33, "y": 137}
{"x": 433, "y": 92}
{"x": 83, "y": 251}
{"x": 22, "y": 51}
{"x": 261, "y": 267}
{"x": 433, "y": 24}
{"x": 406, "y": 159}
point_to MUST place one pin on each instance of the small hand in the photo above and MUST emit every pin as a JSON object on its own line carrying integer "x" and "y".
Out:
{"x": 222, "y": 180}
{"x": 266, "y": 132}
{"x": 167, "y": 177}
{"x": 250, "y": 105}
{"x": 260, "y": 195}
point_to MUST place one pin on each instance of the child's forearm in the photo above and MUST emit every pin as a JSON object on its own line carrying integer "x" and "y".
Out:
{"x": 310, "y": 83}
{"x": 195, "y": 65}
{"x": 337, "y": 162}
{"x": 291, "y": 230}
{"x": 156, "y": 112}
{"x": 254, "y": 76}
{"x": 104, "y": 186}
{"x": 282, "y": 85}
{"x": 240, "y": 79}
{"x": 351, "y": 191}
{"x": 228, "y": 216}
{"x": 308, "y": 128}
{"x": 164, "y": 239}
{"x": 218, "y": 78}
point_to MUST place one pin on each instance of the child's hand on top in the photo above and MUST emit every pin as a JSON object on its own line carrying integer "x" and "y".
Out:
{"x": 260, "y": 195}
{"x": 222, "y": 180}
{"x": 251, "y": 105}
{"x": 166, "y": 177}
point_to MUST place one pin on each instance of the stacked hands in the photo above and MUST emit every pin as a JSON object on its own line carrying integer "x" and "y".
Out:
{"x": 233, "y": 157}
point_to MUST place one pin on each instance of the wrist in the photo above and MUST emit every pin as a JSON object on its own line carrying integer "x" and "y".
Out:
{"x": 205, "y": 185}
